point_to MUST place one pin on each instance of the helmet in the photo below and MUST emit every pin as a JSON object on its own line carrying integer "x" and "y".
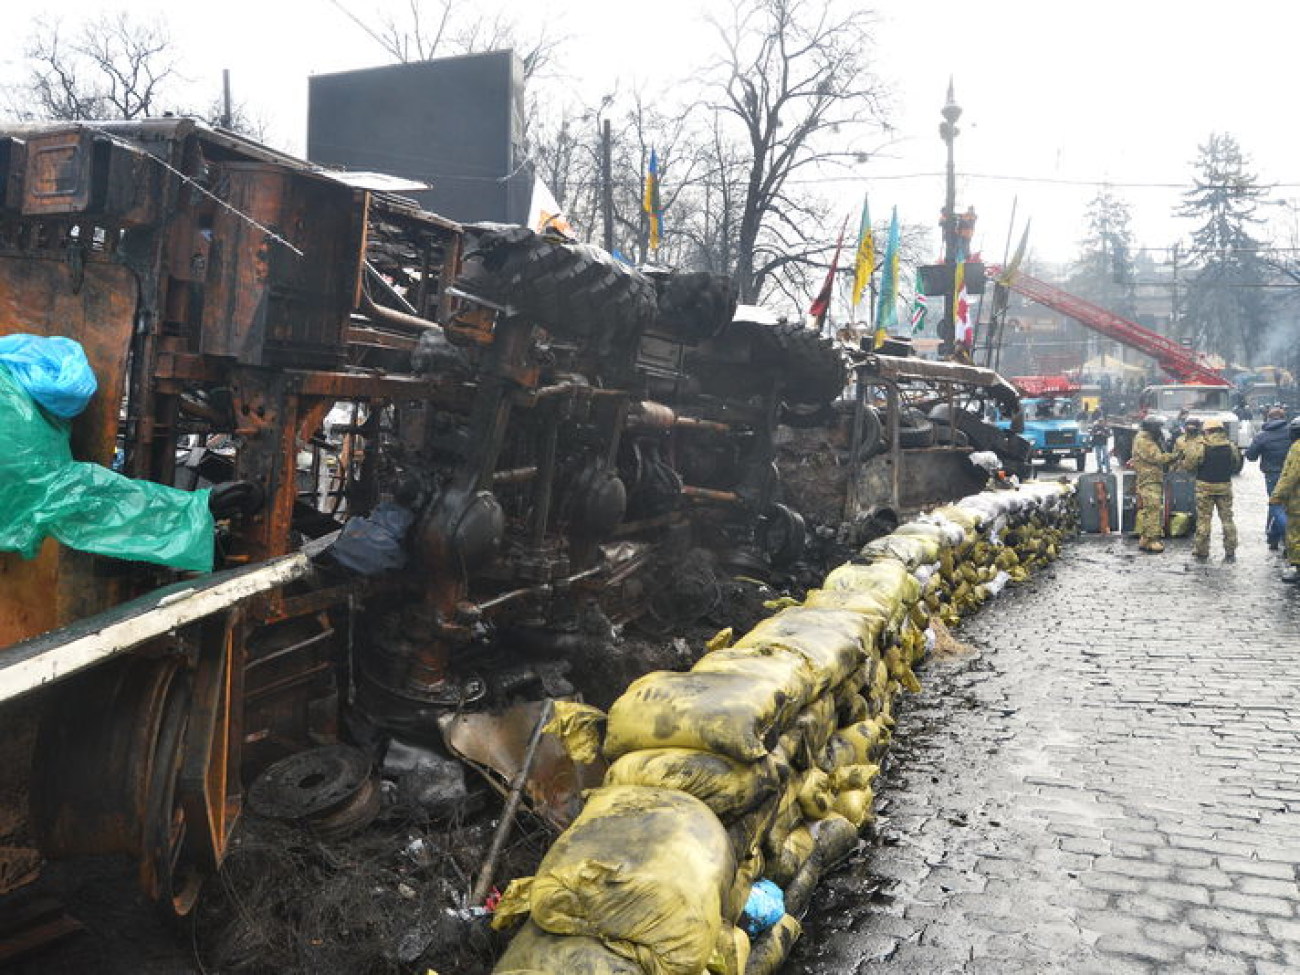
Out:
{"x": 1213, "y": 425}
{"x": 1194, "y": 423}
{"x": 1153, "y": 423}
{"x": 1294, "y": 428}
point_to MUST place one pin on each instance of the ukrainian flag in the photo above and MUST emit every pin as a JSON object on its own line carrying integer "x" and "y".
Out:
{"x": 650, "y": 201}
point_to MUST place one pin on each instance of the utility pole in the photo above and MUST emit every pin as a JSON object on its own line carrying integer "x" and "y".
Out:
{"x": 948, "y": 133}
{"x": 607, "y": 185}
{"x": 226, "y": 115}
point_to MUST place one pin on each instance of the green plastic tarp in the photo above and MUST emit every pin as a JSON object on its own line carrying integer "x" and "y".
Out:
{"x": 44, "y": 492}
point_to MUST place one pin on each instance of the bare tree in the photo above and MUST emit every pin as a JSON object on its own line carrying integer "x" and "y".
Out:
{"x": 427, "y": 29}
{"x": 108, "y": 67}
{"x": 794, "y": 89}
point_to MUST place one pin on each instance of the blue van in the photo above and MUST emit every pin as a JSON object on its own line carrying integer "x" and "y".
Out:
{"x": 1051, "y": 425}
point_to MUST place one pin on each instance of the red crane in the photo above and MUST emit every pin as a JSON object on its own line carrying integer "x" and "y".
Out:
{"x": 1179, "y": 362}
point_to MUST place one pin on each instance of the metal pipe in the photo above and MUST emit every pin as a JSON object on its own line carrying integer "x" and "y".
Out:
{"x": 484, "y": 882}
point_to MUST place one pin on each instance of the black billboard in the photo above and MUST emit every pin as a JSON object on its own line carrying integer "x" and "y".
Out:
{"x": 454, "y": 123}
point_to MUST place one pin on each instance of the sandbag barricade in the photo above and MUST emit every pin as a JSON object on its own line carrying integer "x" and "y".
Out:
{"x": 772, "y": 742}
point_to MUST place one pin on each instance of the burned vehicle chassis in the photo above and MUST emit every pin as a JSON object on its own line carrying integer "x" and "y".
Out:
{"x": 535, "y": 419}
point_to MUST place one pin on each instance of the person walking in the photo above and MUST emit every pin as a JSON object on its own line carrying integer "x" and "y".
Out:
{"x": 1150, "y": 460}
{"x": 1269, "y": 447}
{"x": 1215, "y": 460}
{"x": 1286, "y": 492}
{"x": 1099, "y": 440}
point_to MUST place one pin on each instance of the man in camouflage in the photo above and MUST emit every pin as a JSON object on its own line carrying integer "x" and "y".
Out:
{"x": 1182, "y": 446}
{"x": 1150, "y": 461}
{"x": 1214, "y": 460}
{"x": 1286, "y": 492}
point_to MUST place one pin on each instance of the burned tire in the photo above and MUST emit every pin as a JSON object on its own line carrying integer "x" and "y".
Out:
{"x": 569, "y": 289}
{"x": 914, "y": 430}
{"x": 693, "y": 306}
{"x": 807, "y": 368}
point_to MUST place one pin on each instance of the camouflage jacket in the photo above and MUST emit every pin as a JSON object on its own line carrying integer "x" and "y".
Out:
{"x": 1287, "y": 489}
{"x": 1148, "y": 459}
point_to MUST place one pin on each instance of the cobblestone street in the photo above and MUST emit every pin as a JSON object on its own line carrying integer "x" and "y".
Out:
{"x": 1108, "y": 782}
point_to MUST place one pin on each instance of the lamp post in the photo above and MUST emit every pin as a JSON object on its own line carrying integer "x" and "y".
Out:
{"x": 948, "y": 132}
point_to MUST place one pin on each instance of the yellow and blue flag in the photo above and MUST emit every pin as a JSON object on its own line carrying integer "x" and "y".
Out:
{"x": 650, "y": 201}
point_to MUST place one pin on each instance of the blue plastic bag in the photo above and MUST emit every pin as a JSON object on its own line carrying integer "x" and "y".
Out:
{"x": 766, "y": 906}
{"x": 53, "y": 370}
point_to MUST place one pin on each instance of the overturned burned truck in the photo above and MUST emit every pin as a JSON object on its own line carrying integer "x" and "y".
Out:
{"x": 902, "y": 440}
{"x": 442, "y": 452}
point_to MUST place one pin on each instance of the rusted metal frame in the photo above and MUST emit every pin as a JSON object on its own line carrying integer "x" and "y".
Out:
{"x": 209, "y": 787}
{"x": 142, "y": 409}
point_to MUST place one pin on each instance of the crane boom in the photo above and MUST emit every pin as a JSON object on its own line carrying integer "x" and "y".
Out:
{"x": 1179, "y": 362}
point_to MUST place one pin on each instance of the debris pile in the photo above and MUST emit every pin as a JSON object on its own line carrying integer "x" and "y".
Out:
{"x": 753, "y": 770}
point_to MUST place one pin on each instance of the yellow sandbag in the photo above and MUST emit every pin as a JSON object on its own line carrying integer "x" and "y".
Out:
{"x": 867, "y": 738}
{"x": 728, "y": 787}
{"x": 852, "y": 708}
{"x": 536, "y": 952}
{"x": 644, "y": 870}
{"x": 900, "y": 668}
{"x": 909, "y": 550}
{"x": 788, "y": 815}
{"x": 833, "y": 640}
{"x": 579, "y": 728}
{"x": 786, "y": 669}
{"x": 769, "y": 950}
{"x": 839, "y": 752}
{"x": 737, "y": 715}
{"x": 792, "y": 855}
{"x": 853, "y": 777}
{"x": 888, "y": 578}
{"x": 855, "y": 806}
{"x": 960, "y": 516}
{"x": 815, "y": 794}
{"x": 815, "y": 724}
{"x": 720, "y": 640}
{"x": 878, "y": 609}
{"x": 750, "y": 869}
{"x": 731, "y": 954}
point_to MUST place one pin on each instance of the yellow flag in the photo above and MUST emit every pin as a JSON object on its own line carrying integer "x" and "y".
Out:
{"x": 865, "y": 262}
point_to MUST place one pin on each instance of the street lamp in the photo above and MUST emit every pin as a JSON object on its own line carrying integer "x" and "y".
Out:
{"x": 948, "y": 132}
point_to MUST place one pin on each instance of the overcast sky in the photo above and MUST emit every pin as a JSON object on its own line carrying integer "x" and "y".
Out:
{"x": 1057, "y": 98}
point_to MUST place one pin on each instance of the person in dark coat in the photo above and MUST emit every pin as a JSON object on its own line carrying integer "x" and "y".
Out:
{"x": 1269, "y": 448}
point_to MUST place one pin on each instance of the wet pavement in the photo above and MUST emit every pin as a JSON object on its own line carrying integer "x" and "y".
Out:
{"x": 1108, "y": 782}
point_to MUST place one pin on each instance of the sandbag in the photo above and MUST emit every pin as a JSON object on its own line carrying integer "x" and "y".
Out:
{"x": 789, "y": 670}
{"x": 835, "y": 837}
{"x": 737, "y": 715}
{"x": 815, "y": 794}
{"x": 768, "y": 951}
{"x": 731, "y": 954}
{"x": 910, "y": 550}
{"x": 889, "y": 578}
{"x": 834, "y": 641}
{"x": 815, "y": 725}
{"x": 644, "y": 870}
{"x": 533, "y": 951}
{"x": 849, "y": 777}
{"x": 854, "y": 805}
{"x": 728, "y": 787}
{"x": 579, "y": 728}
{"x": 794, "y": 852}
